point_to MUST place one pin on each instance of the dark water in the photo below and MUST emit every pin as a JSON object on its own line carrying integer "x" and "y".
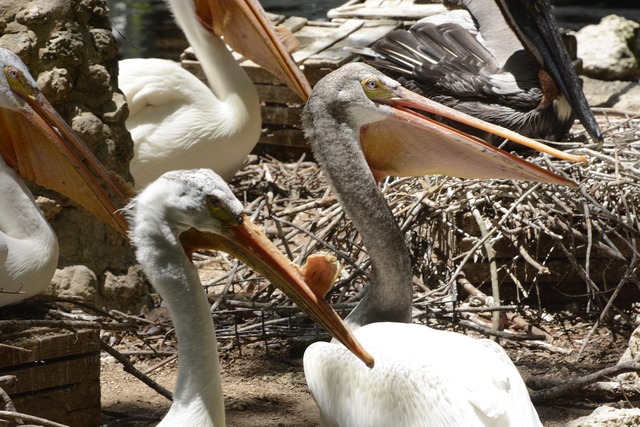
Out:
{"x": 146, "y": 29}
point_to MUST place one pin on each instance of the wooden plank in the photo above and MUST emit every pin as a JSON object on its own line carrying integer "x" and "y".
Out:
{"x": 381, "y": 9}
{"x": 51, "y": 374}
{"x": 294, "y": 23}
{"x": 281, "y": 115}
{"x": 52, "y": 345}
{"x": 336, "y": 56}
{"x": 76, "y": 405}
{"x": 288, "y": 137}
{"x": 314, "y": 39}
{"x": 277, "y": 94}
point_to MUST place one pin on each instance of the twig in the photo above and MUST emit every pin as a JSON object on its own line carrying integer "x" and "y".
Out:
{"x": 570, "y": 386}
{"x": 19, "y": 417}
{"x": 130, "y": 368}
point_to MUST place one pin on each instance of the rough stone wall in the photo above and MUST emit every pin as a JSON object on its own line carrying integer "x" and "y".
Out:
{"x": 69, "y": 49}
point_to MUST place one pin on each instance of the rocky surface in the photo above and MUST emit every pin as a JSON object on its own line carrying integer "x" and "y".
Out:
{"x": 609, "y": 50}
{"x": 69, "y": 49}
{"x": 606, "y": 416}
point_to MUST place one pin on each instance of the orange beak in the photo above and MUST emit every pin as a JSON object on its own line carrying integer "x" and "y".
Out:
{"x": 407, "y": 143}
{"x": 245, "y": 241}
{"x": 247, "y": 29}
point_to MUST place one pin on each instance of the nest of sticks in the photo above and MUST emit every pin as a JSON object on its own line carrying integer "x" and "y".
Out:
{"x": 469, "y": 240}
{"x": 488, "y": 256}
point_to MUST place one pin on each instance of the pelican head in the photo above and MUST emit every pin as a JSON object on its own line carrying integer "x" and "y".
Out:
{"x": 395, "y": 139}
{"x": 37, "y": 143}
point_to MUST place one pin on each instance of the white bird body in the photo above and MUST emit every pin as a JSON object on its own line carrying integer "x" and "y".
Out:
{"x": 28, "y": 244}
{"x": 422, "y": 377}
{"x": 176, "y": 121}
{"x": 198, "y": 398}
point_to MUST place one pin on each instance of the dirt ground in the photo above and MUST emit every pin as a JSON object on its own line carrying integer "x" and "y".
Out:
{"x": 268, "y": 389}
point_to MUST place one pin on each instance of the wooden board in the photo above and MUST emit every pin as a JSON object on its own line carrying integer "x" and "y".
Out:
{"x": 407, "y": 10}
{"x": 58, "y": 374}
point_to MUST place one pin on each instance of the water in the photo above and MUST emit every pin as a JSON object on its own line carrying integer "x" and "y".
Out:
{"x": 146, "y": 29}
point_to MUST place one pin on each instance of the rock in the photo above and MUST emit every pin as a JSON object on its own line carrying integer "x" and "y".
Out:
{"x": 622, "y": 95}
{"x": 609, "y": 49}
{"x": 606, "y": 416}
{"x": 128, "y": 293}
{"x": 75, "y": 281}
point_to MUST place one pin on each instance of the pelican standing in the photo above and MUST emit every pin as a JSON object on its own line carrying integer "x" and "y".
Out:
{"x": 201, "y": 200}
{"x": 175, "y": 120}
{"x": 502, "y": 61}
{"x": 360, "y": 130}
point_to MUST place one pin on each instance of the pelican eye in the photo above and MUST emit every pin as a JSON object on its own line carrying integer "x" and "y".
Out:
{"x": 12, "y": 73}
{"x": 17, "y": 82}
{"x": 375, "y": 89}
{"x": 221, "y": 212}
{"x": 213, "y": 202}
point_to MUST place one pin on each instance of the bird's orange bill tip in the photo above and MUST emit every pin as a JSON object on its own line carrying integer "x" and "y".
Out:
{"x": 412, "y": 100}
{"x": 320, "y": 272}
{"x": 246, "y": 242}
{"x": 248, "y": 31}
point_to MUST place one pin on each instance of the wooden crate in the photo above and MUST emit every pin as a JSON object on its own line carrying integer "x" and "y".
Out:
{"x": 405, "y": 10}
{"x": 58, "y": 374}
{"x": 320, "y": 52}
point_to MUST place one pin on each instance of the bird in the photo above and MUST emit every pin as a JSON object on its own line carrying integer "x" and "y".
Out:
{"x": 28, "y": 244}
{"x": 362, "y": 126}
{"x": 502, "y": 61}
{"x": 199, "y": 200}
{"x": 36, "y": 144}
{"x": 178, "y": 122}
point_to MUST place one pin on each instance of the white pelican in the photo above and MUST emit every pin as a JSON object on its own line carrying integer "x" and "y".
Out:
{"x": 176, "y": 202}
{"x": 175, "y": 120}
{"x": 502, "y": 61}
{"x": 360, "y": 130}
{"x": 37, "y": 143}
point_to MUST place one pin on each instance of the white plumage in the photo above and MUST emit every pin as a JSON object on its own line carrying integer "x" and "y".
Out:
{"x": 176, "y": 121}
{"x": 28, "y": 244}
{"x": 422, "y": 378}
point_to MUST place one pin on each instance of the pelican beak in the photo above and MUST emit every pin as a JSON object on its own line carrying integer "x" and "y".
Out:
{"x": 42, "y": 148}
{"x": 244, "y": 240}
{"x": 408, "y": 143}
{"x": 248, "y": 31}
{"x": 537, "y": 29}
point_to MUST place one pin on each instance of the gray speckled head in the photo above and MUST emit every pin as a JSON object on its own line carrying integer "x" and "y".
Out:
{"x": 8, "y": 99}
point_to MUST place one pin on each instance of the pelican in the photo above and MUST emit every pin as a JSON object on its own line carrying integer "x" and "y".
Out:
{"x": 363, "y": 126}
{"x": 37, "y": 144}
{"x": 502, "y": 61}
{"x": 175, "y": 120}
{"x": 198, "y": 199}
